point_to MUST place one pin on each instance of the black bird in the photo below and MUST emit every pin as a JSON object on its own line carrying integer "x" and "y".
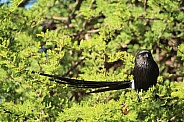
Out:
{"x": 145, "y": 74}
{"x": 145, "y": 71}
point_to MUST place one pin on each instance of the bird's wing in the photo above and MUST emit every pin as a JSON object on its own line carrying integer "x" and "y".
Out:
{"x": 106, "y": 86}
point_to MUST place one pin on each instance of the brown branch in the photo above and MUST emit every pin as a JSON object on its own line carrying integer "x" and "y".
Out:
{"x": 145, "y": 4}
{"x": 73, "y": 67}
{"x": 77, "y": 7}
{"x": 71, "y": 16}
{"x": 173, "y": 76}
{"x": 64, "y": 19}
{"x": 175, "y": 115}
{"x": 93, "y": 31}
{"x": 181, "y": 8}
{"x": 23, "y": 3}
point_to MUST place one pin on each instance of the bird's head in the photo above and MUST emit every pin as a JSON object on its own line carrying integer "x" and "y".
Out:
{"x": 143, "y": 56}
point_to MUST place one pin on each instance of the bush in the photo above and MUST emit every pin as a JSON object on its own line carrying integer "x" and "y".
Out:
{"x": 90, "y": 40}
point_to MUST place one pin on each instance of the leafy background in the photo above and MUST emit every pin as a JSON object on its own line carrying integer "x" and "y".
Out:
{"x": 90, "y": 40}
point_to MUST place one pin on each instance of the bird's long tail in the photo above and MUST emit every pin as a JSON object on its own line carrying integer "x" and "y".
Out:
{"x": 101, "y": 85}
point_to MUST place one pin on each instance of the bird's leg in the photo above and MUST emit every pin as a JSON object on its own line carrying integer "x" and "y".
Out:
{"x": 138, "y": 96}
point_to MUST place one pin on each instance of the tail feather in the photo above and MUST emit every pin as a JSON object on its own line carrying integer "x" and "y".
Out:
{"x": 118, "y": 87}
{"x": 103, "y": 85}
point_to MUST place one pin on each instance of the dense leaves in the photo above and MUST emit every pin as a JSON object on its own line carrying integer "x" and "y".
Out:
{"x": 90, "y": 40}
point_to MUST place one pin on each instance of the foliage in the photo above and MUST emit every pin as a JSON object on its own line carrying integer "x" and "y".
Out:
{"x": 90, "y": 40}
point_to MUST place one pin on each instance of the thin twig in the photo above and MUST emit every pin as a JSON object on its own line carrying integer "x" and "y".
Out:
{"x": 73, "y": 67}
